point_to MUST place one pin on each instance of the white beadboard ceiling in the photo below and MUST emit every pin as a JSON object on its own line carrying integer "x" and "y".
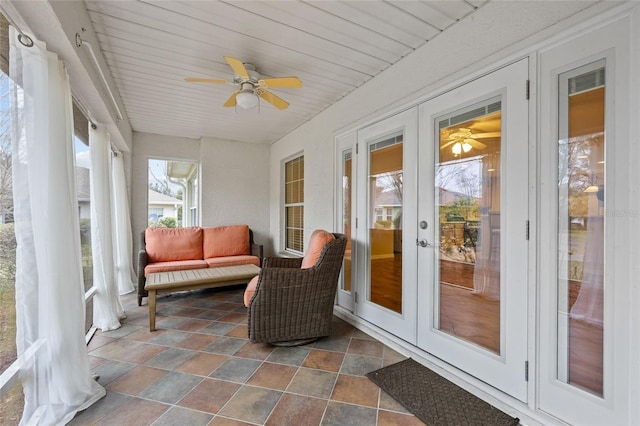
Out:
{"x": 332, "y": 46}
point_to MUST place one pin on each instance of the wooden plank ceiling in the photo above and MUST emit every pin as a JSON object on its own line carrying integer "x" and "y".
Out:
{"x": 332, "y": 46}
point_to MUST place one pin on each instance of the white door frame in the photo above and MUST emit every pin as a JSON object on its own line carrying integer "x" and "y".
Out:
{"x": 507, "y": 370}
{"x": 402, "y": 325}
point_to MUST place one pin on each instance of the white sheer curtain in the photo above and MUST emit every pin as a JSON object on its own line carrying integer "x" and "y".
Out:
{"x": 107, "y": 309}
{"x": 125, "y": 274}
{"x": 486, "y": 278}
{"x": 49, "y": 286}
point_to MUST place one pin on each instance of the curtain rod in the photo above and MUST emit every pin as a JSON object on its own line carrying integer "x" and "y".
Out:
{"x": 80, "y": 42}
{"x": 23, "y": 38}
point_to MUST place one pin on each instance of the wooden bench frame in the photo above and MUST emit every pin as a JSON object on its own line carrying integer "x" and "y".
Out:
{"x": 193, "y": 279}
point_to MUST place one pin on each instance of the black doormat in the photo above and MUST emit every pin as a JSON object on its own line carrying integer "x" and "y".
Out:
{"x": 434, "y": 399}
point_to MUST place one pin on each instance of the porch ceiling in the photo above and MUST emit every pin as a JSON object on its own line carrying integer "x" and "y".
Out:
{"x": 332, "y": 46}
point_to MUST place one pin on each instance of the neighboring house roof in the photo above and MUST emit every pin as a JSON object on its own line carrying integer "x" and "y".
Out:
{"x": 388, "y": 199}
{"x": 83, "y": 187}
{"x": 160, "y": 198}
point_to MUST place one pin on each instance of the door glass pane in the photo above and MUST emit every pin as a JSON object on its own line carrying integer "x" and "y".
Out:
{"x": 581, "y": 213}
{"x": 347, "y": 182}
{"x": 467, "y": 193}
{"x": 385, "y": 223}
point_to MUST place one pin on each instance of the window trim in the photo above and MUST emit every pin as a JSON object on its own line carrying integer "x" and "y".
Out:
{"x": 285, "y": 205}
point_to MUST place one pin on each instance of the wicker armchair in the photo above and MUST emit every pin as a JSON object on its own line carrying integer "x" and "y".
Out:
{"x": 293, "y": 306}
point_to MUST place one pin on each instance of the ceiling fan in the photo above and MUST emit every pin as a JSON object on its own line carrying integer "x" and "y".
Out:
{"x": 463, "y": 140}
{"x": 252, "y": 85}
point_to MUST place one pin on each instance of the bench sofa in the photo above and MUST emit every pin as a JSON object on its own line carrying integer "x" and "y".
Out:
{"x": 176, "y": 249}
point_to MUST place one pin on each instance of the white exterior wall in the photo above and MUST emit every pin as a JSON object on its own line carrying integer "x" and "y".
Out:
{"x": 232, "y": 180}
{"x": 497, "y": 29}
{"x": 234, "y": 186}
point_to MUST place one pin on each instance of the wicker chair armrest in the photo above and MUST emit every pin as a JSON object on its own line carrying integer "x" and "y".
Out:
{"x": 282, "y": 262}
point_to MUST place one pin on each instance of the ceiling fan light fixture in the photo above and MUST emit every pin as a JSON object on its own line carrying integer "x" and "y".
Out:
{"x": 247, "y": 98}
{"x": 457, "y": 148}
{"x": 466, "y": 147}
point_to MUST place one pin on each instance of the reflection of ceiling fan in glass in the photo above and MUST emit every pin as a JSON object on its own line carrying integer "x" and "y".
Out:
{"x": 463, "y": 140}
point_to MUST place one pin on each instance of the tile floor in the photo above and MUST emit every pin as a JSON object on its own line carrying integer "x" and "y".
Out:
{"x": 199, "y": 368}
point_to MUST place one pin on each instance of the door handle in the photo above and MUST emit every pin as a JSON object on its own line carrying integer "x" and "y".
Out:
{"x": 422, "y": 243}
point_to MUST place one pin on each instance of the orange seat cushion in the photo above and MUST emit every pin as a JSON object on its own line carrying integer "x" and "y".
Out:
{"x": 250, "y": 290}
{"x": 177, "y": 265}
{"x": 172, "y": 244}
{"x": 318, "y": 240}
{"x": 216, "y": 262}
{"x": 226, "y": 241}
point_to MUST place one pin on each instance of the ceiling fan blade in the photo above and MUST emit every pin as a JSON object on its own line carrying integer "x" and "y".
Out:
{"x": 282, "y": 82}
{"x": 273, "y": 99}
{"x": 451, "y": 142}
{"x": 204, "y": 80}
{"x": 231, "y": 102}
{"x": 486, "y": 135}
{"x": 474, "y": 143}
{"x": 237, "y": 66}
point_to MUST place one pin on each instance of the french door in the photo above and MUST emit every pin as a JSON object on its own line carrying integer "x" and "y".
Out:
{"x": 472, "y": 223}
{"x": 386, "y": 203}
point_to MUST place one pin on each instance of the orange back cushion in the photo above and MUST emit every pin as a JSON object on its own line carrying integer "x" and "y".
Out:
{"x": 226, "y": 241}
{"x": 318, "y": 240}
{"x": 171, "y": 244}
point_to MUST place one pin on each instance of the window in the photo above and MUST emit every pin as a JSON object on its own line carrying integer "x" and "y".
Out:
{"x": 173, "y": 193}
{"x": 12, "y": 401}
{"x": 294, "y": 204}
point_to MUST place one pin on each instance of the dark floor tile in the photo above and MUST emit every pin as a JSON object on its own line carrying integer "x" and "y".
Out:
{"x": 120, "y": 332}
{"x": 144, "y": 335}
{"x": 356, "y": 390}
{"x": 170, "y": 358}
{"x": 251, "y": 404}
{"x": 225, "y": 345}
{"x": 111, "y": 370}
{"x": 98, "y": 341}
{"x": 223, "y": 421}
{"x": 291, "y": 356}
{"x": 196, "y": 341}
{"x": 202, "y": 364}
{"x": 255, "y": 351}
{"x": 388, "y": 403}
{"x": 272, "y": 376}
{"x": 234, "y": 317}
{"x": 297, "y": 410}
{"x": 339, "y": 414}
{"x": 310, "y": 382}
{"x": 366, "y": 347}
{"x": 217, "y": 328}
{"x": 236, "y": 370}
{"x": 388, "y": 418}
{"x": 360, "y": 365}
{"x": 169, "y": 338}
{"x": 240, "y": 330}
{"x": 210, "y": 395}
{"x": 137, "y": 412}
{"x": 128, "y": 351}
{"x": 171, "y": 387}
{"x": 324, "y": 360}
{"x": 101, "y": 408}
{"x": 183, "y": 416}
{"x": 136, "y": 380}
{"x": 333, "y": 343}
{"x": 192, "y": 324}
